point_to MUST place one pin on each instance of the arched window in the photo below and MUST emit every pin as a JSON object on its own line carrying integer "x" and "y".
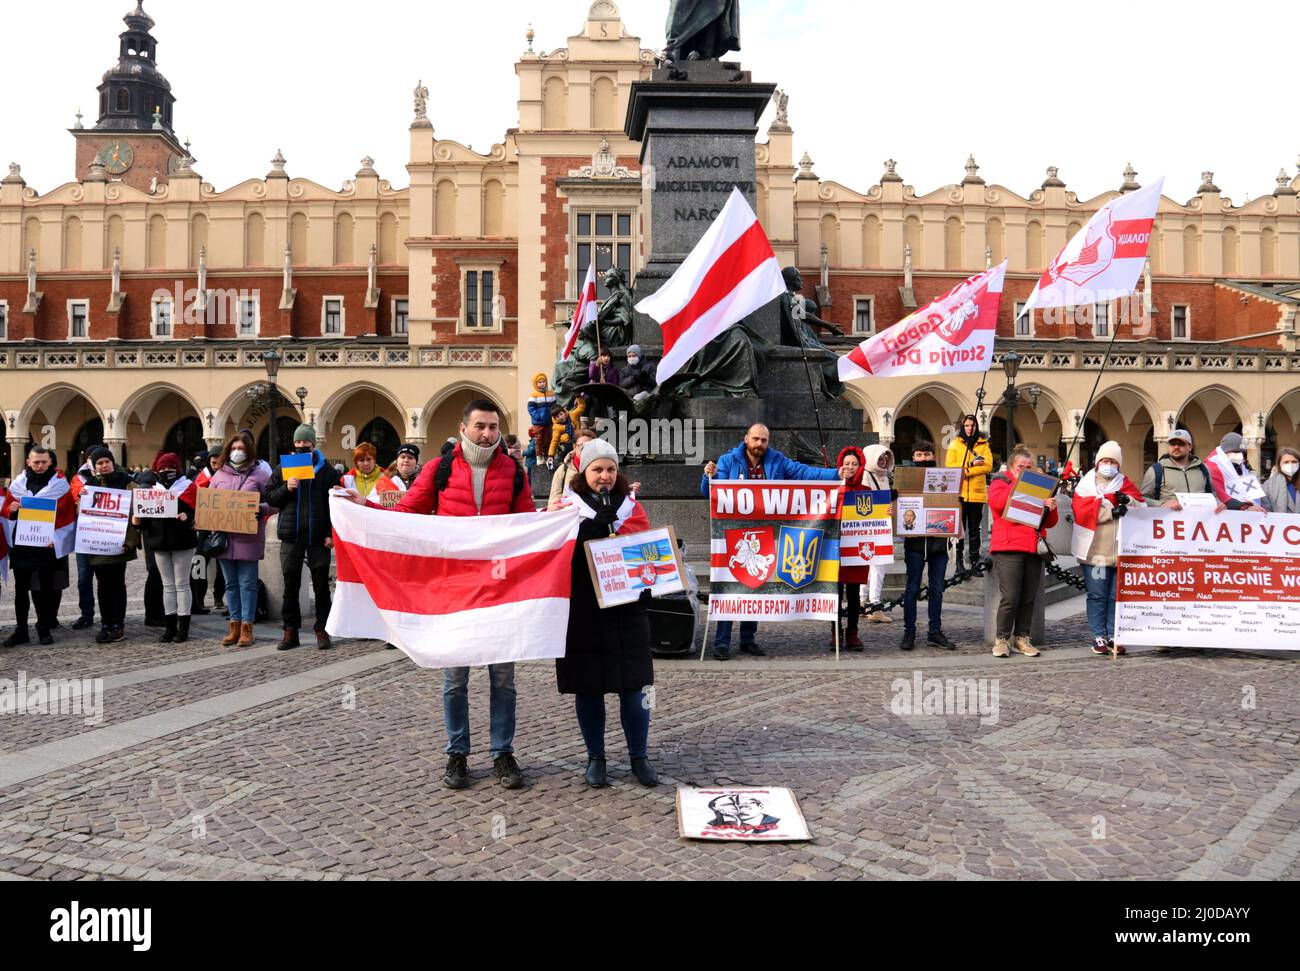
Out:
{"x": 445, "y": 209}
{"x": 284, "y": 429}
{"x": 871, "y": 241}
{"x": 91, "y": 433}
{"x": 384, "y": 438}
{"x": 907, "y": 432}
{"x": 186, "y": 439}
{"x": 123, "y": 99}
{"x": 954, "y": 235}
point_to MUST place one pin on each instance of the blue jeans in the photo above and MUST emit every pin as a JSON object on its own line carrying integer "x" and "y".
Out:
{"x": 632, "y": 712}
{"x": 241, "y": 589}
{"x": 917, "y": 561}
{"x": 722, "y": 637}
{"x": 455, "y": 709}
{"x": 85, "y": 586}
{"x": 1100, "y": 582}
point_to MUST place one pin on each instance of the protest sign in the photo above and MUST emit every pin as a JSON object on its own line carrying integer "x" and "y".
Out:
{"x": 1196, "y": 579}
{"x": 866, "y": 530}
{"x": 35, "y": 526}
{"x": 730, "y": 815}
{"x": 1027, "y": 502}
{"x": 102, "y": 518}
{"x": 227, "y": 511}
{"x": 623, "y": 567}
{"x": 1197, "y": 501}
{"x": 153, "y": 504}
{"x": 776, "y": 550}
{"x": 929, "y": 502}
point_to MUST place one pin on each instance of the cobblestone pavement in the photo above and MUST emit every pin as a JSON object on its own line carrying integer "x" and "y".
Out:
{"x": 213, "y": 763}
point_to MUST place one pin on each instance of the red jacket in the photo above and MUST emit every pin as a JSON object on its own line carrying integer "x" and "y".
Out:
{"x": 1009, "y": 537}
{"x": 458, "y": 498}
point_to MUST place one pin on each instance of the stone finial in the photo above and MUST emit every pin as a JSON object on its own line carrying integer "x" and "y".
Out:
{"x": 185, "y": 165}
{"x": 1053, "y": 180}
{"x": 972, "y": 173}
{"x": 421, "y": 101}
{"x": 15, "y": 174}
{"x": 1207, "y": 183}
{"x": 277, "y": 166}
{"x": 806, "y": 168}
{"x": 367, "y": 168}
{"x": 79, "y": 126}
{"x": 97, "y": 173}
{"x": 157, "y": 118}
{"x": 890, "y": 175}
{"x": 1130, "y": 182}
{"x": 1283, "y": 184}
{"x": 529, "y": 35}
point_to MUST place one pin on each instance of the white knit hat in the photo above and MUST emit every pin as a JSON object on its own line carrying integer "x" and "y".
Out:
{"x": 597, "y": 449}
{"x": 1110, "y": 450}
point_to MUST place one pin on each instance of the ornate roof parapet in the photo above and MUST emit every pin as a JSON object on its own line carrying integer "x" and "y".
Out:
{"x": 972, "y": 173}
{"x": 278, "y": 166}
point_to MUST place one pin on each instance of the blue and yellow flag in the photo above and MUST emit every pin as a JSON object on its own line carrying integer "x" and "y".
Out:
{"x": 35, "y": 510}
{"x": 1036, "y": 484}
{"x": 298, "y": 466}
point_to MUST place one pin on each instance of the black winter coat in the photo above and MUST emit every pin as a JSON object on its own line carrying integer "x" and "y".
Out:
{"x": 170, "y": 535}
{"x": 304, "y": 511}
{"x": 606, "y": 651}
{"x": 635, "y": 379}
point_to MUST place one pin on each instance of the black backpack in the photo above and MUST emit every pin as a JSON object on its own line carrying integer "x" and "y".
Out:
{"x": 442, "y": 476}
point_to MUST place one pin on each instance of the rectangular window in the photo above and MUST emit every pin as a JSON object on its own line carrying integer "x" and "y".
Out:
{"x": 1025, "y": 324}
{"x": 471, "y": 298}
{"x": 481, "y": 300}
{"x": 1101, "y": 321}
{"x": 605, "y": 237}
{"x": 248, "y": 316}
{"x": 4, "y": 320}
{"x": 78, "y": 320}
{"x": 332, "y": 320}
{"x": 864, "y": 321}
{"x": 401, "y": 315}
{"x": 162, "y": 317}
{"x": 1181, "y": 329}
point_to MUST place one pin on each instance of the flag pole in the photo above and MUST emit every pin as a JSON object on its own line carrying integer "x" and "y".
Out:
{"x": 1083, "y": 422}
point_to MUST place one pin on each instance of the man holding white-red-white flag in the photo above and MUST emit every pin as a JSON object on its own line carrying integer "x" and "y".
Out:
{"x": 1104, "y": 259}
{"x": 731, "y": 273}
{"x": 952, "y": 335}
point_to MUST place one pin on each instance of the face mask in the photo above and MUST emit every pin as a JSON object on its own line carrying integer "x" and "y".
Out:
{"x": 1108, "y": 471}
{"x": 168, "y": 477}
{"x": 634, "y": 361}
{"x": 303, "y": 449}
{"x": 1290, "y": 469}
{"x": 237, "y": 458}
{"x": 926, "y": 465}
{"x": 1237, "y": 458}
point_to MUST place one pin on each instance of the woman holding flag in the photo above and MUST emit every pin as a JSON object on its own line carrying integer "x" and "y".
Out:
{"x": 1101, "y": 500}
{"x": 606, "y": 651}
{"x": 1016, "y": 563}
{"x": 41, "y": 572}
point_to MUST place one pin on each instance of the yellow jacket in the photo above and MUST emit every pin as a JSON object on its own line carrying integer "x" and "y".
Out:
{"x": 974, "y": 483}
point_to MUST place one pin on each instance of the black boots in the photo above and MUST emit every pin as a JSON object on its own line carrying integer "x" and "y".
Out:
{"x": 644, "y": 772}
{"x": 169, "y": 630}
{"x": 182, "y": 630}
{"x": 18, "y": 638}
{"x": 596, "y": 775}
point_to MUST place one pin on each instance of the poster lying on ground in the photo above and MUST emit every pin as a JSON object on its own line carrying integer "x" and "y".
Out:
{"x": 776, "y": 550}
{"x": 770, "y": 815}
{"x": 1197, "y": 579}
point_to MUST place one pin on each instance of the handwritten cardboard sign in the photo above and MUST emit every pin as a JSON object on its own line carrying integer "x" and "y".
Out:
{"x": 153, "y": 504}
{"x": 227, "y": 511}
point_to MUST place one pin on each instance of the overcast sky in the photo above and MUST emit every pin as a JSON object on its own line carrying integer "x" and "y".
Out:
{"x": 1175, "y": 87}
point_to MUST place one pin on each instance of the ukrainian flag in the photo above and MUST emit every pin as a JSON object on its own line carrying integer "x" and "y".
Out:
{"x": 35, "y": 510}
{"x": 1036, "y": 484}
{"x": 298, "y": 467}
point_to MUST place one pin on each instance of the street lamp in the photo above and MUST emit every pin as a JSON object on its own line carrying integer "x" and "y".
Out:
{"x": 271, "y": 360}
{"x": 1011, "y": 367}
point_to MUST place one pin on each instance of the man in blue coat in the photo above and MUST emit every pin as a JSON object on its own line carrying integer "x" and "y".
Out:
{"x": 753, "y": 459}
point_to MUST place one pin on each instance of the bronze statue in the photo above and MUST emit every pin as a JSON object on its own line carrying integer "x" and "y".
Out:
{"x": 702, "y": 30}
{"x": 614, "y": 321}
{"x": 799, "y": 324}
{"x": 728, "y": 367}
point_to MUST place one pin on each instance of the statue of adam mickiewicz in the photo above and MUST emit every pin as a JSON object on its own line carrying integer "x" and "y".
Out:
{"x": 702, "y": 30}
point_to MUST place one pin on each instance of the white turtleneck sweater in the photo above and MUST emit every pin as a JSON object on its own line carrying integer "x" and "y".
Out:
{"x": 479, "y": 458}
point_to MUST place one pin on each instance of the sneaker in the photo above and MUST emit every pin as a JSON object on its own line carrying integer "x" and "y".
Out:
{"x": 878, "y": 616}
{"x": 909, "y": 641}
{"x": 938, "y": 639}
{"x": 1001, "y": 648}
{"x": 1026, "y": 647}
{"x": 84, "y": 623}
{"x": 1100, "y": 647}
{"x": 457, "y": 774}
{"x": 506, "y": 769}
{"x": 1117, "y": 648}
{"x": 105, "y": 635}
{"x": 118, "y": 634}
{"x": 752, "y": 649}
{"x": 17, "y": 639}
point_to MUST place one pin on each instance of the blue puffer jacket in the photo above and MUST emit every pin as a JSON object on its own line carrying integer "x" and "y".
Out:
{"x": 734, "y": 466}
{"x": 305, "y": 511}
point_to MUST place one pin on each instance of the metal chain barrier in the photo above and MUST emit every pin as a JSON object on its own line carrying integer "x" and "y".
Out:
{"x": 958, "y": 578}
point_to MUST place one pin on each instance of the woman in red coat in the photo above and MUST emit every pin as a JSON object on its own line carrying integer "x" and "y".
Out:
{"x": 606, "y": 651}
{"x": 851, "y": 463}
{"x": 1016, "y": 562}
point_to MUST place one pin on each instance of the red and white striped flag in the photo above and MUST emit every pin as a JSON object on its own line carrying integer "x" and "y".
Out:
{"x": 731, "y": 273}
{"x": 1104, "y": 260}
{"x": 451, "y": 591}
{"x": 588, "y": 310}
{"x": 951, "y": 335}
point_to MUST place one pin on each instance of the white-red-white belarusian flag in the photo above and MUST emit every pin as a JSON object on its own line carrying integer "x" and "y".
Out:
{"x": 588, "y": 310}
{"x": 951, "y": 335}
{"x": 731, "y": 273}
{"x": 452, "y": 591}
{"x": 1104, "y": 260}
